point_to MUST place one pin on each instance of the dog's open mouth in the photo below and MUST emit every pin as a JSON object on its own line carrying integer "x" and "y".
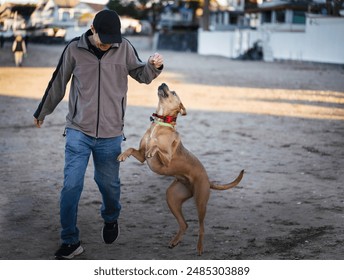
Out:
{"x": 163, "y": 90}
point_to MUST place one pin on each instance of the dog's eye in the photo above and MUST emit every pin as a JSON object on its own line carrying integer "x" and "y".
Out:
{"x": 174, "y": 93}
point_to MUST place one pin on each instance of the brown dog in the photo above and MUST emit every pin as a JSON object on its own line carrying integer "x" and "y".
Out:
{"x": 165, "y": 154}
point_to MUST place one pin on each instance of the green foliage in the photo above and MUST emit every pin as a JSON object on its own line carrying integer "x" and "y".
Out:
{"x": 124, "y": 8}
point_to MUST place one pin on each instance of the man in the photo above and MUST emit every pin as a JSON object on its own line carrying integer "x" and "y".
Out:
{"x": 99, "y": 63}
{"x": 19, "y": 50}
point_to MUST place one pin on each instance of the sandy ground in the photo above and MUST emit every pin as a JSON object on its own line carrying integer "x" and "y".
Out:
{"x": 281, "y": 122}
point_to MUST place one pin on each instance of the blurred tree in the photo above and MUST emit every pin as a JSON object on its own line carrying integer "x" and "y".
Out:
{"x": 124, "y": 8}
{"x": 143, "y": 9}
{"x": 206, "y": 15}
{"x": 333, "y": 7}
{"x": 24, "y": 10}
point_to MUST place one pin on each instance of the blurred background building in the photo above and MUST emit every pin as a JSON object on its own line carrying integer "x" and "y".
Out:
{"x": 305, "y": 30}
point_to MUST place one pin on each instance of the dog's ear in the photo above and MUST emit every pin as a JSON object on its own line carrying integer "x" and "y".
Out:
{"x": 182, "y": 110}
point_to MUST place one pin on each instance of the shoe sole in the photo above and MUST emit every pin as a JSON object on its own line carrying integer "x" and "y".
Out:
{"x": 78, "y": 251}
{"x": 112, "y": 241}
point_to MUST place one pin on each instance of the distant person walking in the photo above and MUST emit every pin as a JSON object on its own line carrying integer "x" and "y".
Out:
{"x": 19, "y": 50}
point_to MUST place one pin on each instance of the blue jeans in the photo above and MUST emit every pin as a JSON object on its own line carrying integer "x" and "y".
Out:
{"x": 106, "y": 174}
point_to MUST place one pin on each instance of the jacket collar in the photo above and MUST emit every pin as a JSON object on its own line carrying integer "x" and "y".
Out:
{"x": 84, "y": 42}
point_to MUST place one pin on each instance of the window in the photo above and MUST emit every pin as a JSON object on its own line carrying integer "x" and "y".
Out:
{"x": 65, "y": 16}
{"x": 280, "y": 16}
{"x": 299, "y": 17}
{"x": 233, "y": 19}
{"x": 266, "y": 17}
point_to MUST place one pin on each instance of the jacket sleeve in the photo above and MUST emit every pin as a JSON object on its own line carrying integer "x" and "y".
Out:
{"x": 56, "y": 88}
{"x": 141, "y": 71}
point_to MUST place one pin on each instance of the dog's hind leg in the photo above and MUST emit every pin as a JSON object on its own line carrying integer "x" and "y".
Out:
{"x": 201, "y": 199}
{"x": 176, "y": 194}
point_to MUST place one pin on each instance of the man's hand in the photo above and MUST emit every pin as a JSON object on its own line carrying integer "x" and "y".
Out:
{"x": 156, "y": 59}
{"x": 38, "y": 123}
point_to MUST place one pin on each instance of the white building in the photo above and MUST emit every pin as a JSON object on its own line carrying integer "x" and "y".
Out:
{"x": 64, "y": 19}
{"x": 60, "y": 13}
{"x": 286, "y": 31}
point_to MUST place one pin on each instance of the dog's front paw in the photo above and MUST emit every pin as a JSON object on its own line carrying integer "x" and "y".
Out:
{"x": 151, "y": 152}
{"x": 122, "y": 157}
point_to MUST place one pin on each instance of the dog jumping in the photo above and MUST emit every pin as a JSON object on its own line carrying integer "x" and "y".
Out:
{"x": 161, "y": 147}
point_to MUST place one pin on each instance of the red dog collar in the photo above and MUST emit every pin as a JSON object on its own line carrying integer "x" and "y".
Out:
{"x": 166, "y": 119}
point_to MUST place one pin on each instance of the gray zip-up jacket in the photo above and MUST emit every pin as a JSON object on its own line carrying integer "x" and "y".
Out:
{"x": 98, "y": 91}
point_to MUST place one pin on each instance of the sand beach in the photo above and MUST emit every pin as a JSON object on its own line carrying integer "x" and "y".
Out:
{"x": 282, "y": 122}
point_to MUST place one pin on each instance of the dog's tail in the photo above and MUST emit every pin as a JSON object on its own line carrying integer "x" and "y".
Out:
{"x": 229, "y": 185}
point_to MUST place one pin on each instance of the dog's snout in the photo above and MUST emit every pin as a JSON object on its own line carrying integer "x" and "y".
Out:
{"x": 162, "y": 86}
{"x": 163, "y": 90}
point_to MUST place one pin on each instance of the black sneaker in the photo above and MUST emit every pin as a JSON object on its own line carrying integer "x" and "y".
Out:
{"x": 110, "y": 232}
{"x": 68, "y": 251}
